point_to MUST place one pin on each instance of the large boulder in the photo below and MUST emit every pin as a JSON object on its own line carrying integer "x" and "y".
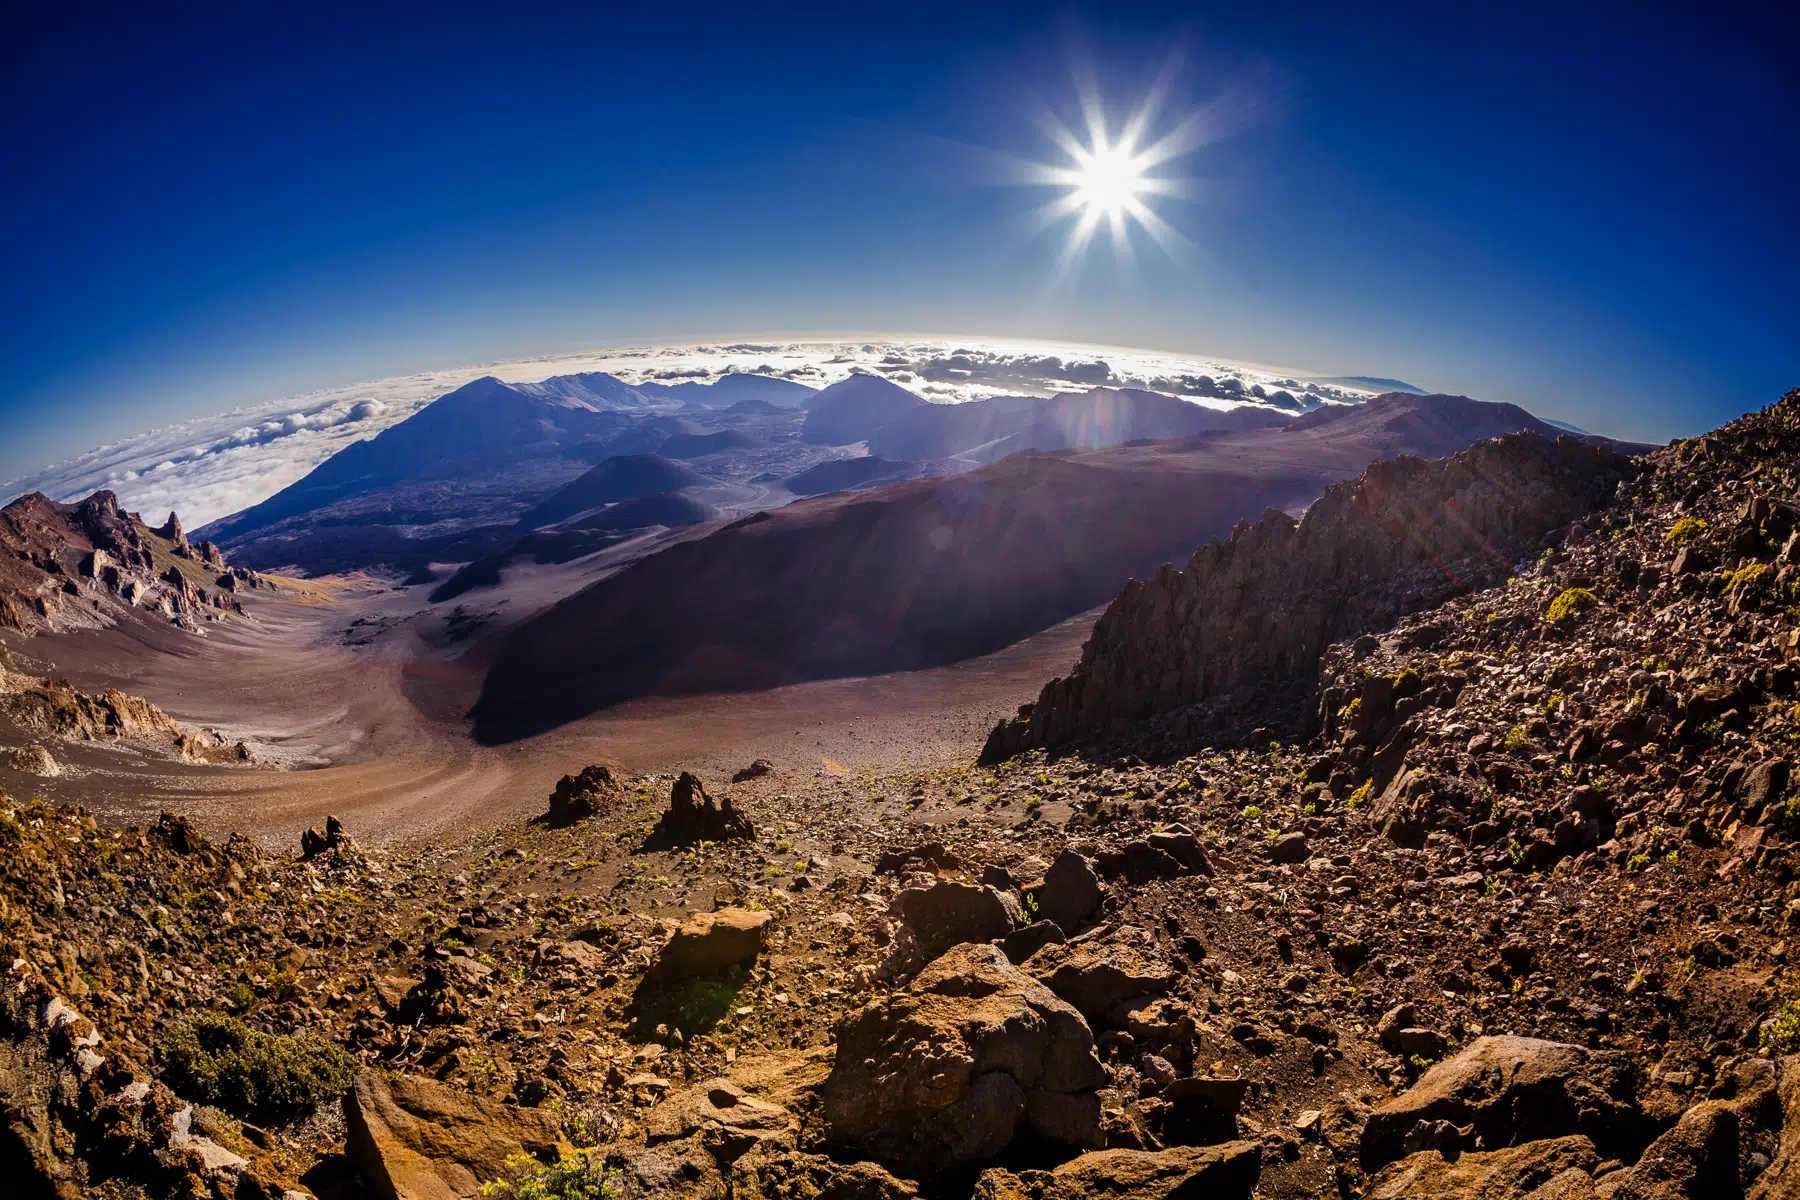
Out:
{"x": 1099, "y": 975}
{"x": 416, "y": 1139}
{"x": 1513, "y": 1090}
{"x": 1224, "y": 1172}
{"x": 947, "y": 913}
{"x": 947, "y": 1070}
{"x": 710, "y": 943}
{"x": 1698, "y": 1157}
{"x": 1489, "y": 1175}
{"x": 730, "y": 1119}
{"x": 1782, "y": 1177}
{"x": 1139, "y": 862}
{"x": 1070, "y": 891}
{"x": 770, "y": 1174}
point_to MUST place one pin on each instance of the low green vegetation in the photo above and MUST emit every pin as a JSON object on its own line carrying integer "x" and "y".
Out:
{"x": 1571, "y": 603}
{"x": 1745, "y": 575}
{"x": 1685, "y": 531}
{"x": 1407, "y": 683}
{"x": 218, "y": 1060}
{"x": 578, "y": 1176}
{"x": 1782, "y": 1033}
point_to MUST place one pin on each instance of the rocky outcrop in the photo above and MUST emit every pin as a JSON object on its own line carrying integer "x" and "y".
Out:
{"x": 31, "y": 760}
{"x": 1512, "y": 1090}
{"x": 171, "y": 532}
{"x": 73, "y": 566}
{"x": 1514, "y": 1171}
{"x": 334, "y": 839}
{"x": 948, "y": 1070}
{"x": 578, "y": 797}
{"x": 693, "y": 816}
{"x": 710, "y": 943}
{"x": 1226, "y": 1172}
{"x": 415, "y": 1139}
{"x": 55, "y": 707}
{"x": 1256, "y": 611}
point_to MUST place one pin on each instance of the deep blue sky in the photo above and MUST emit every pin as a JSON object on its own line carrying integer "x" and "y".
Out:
{"x": 1586, "y": 209}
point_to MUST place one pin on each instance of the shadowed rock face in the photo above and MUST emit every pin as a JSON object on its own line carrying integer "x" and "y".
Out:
{"x": 844, "y": 473}
{"x": 913, "y": 575}
{"x": 1259, "y": 608}
{"x": 925, "y": 573}
{"x": 623, "y": 477}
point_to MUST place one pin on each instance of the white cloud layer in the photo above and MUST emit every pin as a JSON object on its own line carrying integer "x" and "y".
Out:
{"x": 213, "y": 466}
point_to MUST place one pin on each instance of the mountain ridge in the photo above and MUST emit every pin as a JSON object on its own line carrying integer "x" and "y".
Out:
{"x": 916, "y": 574}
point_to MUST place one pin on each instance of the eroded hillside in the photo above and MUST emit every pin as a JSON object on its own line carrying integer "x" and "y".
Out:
{"x": 1501, "y": 907}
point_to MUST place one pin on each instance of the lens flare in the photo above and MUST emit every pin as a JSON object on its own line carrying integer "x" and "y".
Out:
{"x": 1110, "y": 172}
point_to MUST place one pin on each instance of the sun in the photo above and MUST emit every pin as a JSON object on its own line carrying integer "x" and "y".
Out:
{"x": 1111, "y": 180}
{"x": 1107, "y": 178}
{"x": 1114, "y": 173}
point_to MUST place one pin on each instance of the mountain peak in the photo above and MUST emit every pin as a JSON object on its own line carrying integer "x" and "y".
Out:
{"x": 853, "y": 409}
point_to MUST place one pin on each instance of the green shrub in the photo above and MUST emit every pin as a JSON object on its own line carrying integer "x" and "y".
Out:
{"x": 218, "y": 1060}
{"x": 1782, "y": 1033}
{"x": 579, "y": 1176}
{"x": 1788, "y": 819}
{"x": 1515, "y": 738}
{"x": 1685, "y": 531}
{"x": 1407, "y": 683}
{"x": 1744, "y": 575}
{"x": 1571, "y": 603}
{"x": 1360, "y": 796}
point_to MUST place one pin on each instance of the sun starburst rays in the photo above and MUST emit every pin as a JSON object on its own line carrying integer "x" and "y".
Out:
{"x": 1108, "y": 178}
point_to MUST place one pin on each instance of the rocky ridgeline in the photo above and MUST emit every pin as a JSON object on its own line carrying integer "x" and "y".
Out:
{"x": 1241, "y": 628}
{"x": 46, "y": 709}
{"x": 74, "y": 566}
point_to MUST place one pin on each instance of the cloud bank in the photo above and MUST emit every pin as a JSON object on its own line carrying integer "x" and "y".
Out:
{"x": 214, "y": 466}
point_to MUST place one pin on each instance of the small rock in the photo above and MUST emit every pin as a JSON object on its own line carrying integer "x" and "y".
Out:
{"x": 755, "y": 770}
{"x": 1290, "y": 848}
